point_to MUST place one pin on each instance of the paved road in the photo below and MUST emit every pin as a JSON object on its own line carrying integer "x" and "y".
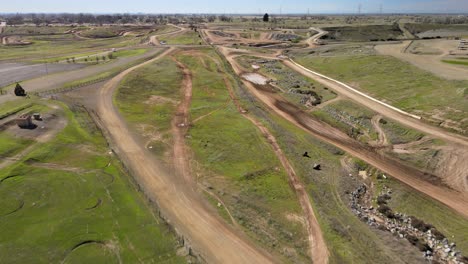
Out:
{"x": 210, "y": 235}
{"x": 57, "y": 80}
{"x": 17, "y": 72}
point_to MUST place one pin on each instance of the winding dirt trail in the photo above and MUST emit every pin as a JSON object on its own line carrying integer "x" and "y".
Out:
{"x": 318, "y": 247}
{"x": 209, "y": 235}
{"x": 412, "y": 177}
{"x": 154, "y": 39}
{"x": 313, "y": 40}
{"x": 382, "y": 141}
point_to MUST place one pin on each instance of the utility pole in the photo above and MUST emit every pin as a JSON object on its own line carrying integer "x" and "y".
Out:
{"x": 381, "y": 9}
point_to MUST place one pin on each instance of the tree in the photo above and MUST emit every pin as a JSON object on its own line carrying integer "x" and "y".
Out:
{"x": 19, "y": 91}
{"x": 266, "y": 18}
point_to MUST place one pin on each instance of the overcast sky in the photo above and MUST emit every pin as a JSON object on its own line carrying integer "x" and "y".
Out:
{"x": 236, "y": 6}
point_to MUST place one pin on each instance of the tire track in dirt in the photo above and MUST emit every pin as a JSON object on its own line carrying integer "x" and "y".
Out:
{"x": 418, "y": 180}
{"x": 206, "y": 233}
{"x": 180, "y": 125}
{"x": 318, "y": 248}
{"x": 382, "y": 141}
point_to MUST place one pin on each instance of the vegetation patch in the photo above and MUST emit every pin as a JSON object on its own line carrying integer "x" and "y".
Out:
{"x": 56, "y": 215}
{"x": 364, "y": 33}
{"x": 186, "y": 38}
{"x": 398, "y": 83}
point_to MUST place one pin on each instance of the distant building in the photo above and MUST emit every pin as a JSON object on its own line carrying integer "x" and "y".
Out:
{"x": 3, "y": 24}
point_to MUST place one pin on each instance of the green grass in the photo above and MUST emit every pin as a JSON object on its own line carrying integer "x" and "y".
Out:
{"x": 220, "y": 143}
{"x": 399, "y": 83}
{"x": 54, "y": 211}
{"x": 187, "y": 38}
{"x": 102, "y": 32}
{"x": 456, "y": 62}
{"x": 10, "y": 145}
{"x": 53, "y": 46}
{"x": 349, "y": 117}
{"x": 134, "y": 94}
{"x": 398, "y": 134}
{"x": 14, "y": 106}
{"x": 129, "y": 53}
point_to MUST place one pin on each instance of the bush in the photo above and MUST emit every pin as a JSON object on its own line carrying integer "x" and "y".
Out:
{"x": 381, "y": 200}
{"x": 19, "y": 91}
{"x": 438, "y": 235}
{"x": 385, "y": 210}
{"x": 420, "y": 225}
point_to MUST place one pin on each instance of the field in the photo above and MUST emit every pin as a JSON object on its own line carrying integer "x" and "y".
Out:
{"x": 217, "y": 156}
{"x": 436, "y": 30}
{"x": 68, "y": 200}
{"x": 398, "y": 83}
{"x": 212, "y": 139}
{"x": 186, "y": 38}
{"x": 364, "y": 33}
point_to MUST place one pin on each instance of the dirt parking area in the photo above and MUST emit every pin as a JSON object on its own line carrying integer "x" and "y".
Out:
{"x": 42, "y": 131}
{"x": 432, "y": 63}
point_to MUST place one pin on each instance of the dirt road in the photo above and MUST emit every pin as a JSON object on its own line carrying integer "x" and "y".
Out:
{"x": 210, "y": 235}
{"x": 57, "y": 80}
{"x": 318, "y": 248}
{"x": 313, "y": 40}
{"x": 17, "y": 72}
{"x": 412, "y": 177}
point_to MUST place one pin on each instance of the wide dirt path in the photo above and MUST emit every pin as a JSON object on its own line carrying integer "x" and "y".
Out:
{"x": 208, "y": 234}
{"x": 412, "y": 177}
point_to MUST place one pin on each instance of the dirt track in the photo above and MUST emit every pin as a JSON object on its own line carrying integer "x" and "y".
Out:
{"x": 210, "y": 235}
{"x": 154, "y": 39}
{"x": 382, "y": 141}
{"x": 313, "y": 41}
{"x": 180, "y": 125}
{"x": 318, "y": 248}
{"x": 412, "y": 177}
{"x": 381, "y": 109}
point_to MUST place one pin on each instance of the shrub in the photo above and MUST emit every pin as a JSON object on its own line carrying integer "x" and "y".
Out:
{"x": 19, "y": 91}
